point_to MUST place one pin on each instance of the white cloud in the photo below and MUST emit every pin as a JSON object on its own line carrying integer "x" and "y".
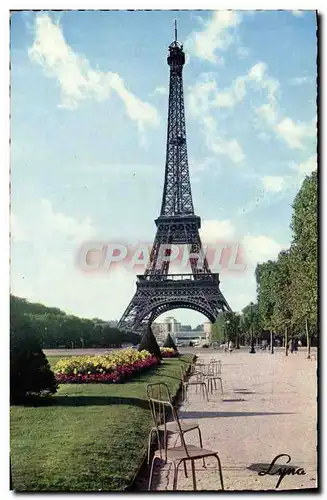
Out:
{"x": 294, "y": 133}
{"x": 17, "y": 232}
{"x": 264, "y": 137}
{"x": 258, "y": 74}
{"x": 268, "y": 112}
{"x": 46, "y": 270}
{"x": 205, "y": 95}
{"x": 257, "y": 71}
{"x": 230, "y": 97}
{"x": 298, "y": 13}
{"x": 160, "y": 90}
{"x": 261, "y": 248}
{"x": 300, "y": 80}
{"x": 306, "y": 167}
{"x": 219, "y": 145}
{"x": 77, "y": 80}
{"x": 213, "y": 230}
{"x": 217, "y": 35}
{"x": 66, "y": 225}
{"x": 242, "y": 52}
{"x": 273, "y": 183}
{"x": 199, "y": 102}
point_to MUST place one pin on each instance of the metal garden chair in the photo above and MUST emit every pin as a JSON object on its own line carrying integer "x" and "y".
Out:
{"x": 212, "y": 372}
{"x": 160, "y": 391}
{"x": 183, "y": 453}
{"x": 196, "y": 379}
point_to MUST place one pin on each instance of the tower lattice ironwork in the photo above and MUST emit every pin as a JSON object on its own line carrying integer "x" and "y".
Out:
{"x": 157, "y": 290}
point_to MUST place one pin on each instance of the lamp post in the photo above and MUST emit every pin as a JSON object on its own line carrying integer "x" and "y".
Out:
{"x": 238, "y": 331}
{"x": 252, "y": 350}
{"x": 226, "y": 332}
{"x": 238, "y": 337}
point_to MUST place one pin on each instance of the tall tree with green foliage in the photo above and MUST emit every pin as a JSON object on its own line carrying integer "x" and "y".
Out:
{"x": 304, "y": 257}
{"x": 226, "y": 327}
{"x": 250, "y": 321}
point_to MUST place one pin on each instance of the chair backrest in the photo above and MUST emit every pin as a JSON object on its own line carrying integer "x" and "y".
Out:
{"x": 161, "y": 407}
{"x": 159, "y": 393}
{"x": 207, "y": 369}
{"x": 183, "y": 373}
{"x": 216, "y": 363}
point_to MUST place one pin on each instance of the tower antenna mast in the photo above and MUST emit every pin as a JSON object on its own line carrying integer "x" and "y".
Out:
{"x": 175, "y": 30}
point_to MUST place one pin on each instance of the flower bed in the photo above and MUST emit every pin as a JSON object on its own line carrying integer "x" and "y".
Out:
{"x": 108, "y": 368}
{"x": 168, "y": 352}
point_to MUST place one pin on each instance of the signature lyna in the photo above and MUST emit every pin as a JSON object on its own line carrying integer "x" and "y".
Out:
{"x": 281, "y": 471}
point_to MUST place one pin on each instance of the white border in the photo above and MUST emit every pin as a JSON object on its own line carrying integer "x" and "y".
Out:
{"x": 5, "y": 6}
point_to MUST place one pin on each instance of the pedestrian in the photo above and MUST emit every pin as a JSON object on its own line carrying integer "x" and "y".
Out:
{"x": 291, "y": 345}
{"x": 299, "y": 343}
{"x": 230, "y": 347}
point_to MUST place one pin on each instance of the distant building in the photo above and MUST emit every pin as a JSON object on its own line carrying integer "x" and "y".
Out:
{"x": 171, "y": 325}
{"x": 186, "y": 328}
{"x": 183, "y": 333}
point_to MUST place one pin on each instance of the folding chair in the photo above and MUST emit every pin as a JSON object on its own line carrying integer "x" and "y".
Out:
{"x": 212, "y": 373}
{"x": 197, "y": 381}
{"x": 179, "y": 454}
{"x": 161, "y": 392}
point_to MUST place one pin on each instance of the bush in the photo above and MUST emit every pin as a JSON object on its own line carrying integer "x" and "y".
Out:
{"x": 30, "y": 373}
{"x": 149, "y": 343}
{"x": 169, "y": 342}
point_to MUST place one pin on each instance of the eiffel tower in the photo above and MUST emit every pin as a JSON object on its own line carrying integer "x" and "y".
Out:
{"x": 157, "y": 290}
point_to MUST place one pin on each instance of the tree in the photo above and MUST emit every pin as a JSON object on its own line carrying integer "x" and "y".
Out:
{"x": 304, "y": 257}
{"x": 149, "y": 343}
{"x": 169, "y": 342}
{"x": 250, "y": 319}
{"x": 30, "y": 373}
{"x": 266, "y": 294}
{"x": 226, "y": 327}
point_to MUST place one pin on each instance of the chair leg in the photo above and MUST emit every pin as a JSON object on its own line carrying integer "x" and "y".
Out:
{"x": 166, "y": 444}
{"x": 201, "y": 445}
{"x": 206, "y": 391}
{"x": 221, "y": 386}
{"x": 151, "y": 474}
{"x": 185, "y": 468}
{"x": 175, "y": 476}
{"x": 159, "y": 442}
{"x": 149, "y": 445}
{"x": 193, "y": 475}
{"x": 220, "y": 472}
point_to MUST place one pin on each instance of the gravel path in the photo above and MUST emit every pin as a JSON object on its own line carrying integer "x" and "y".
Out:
{"x": 268, "y": 408}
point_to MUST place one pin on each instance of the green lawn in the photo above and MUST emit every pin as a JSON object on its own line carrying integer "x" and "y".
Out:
{"x": 92, "y": 437}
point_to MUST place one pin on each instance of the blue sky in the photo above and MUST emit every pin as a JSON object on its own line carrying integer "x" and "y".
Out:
{"x": 88, "y": 130}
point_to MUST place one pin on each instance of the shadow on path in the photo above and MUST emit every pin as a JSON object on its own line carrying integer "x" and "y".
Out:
{"x": 244, "y": 392}
{"x": 213, "y": 414}
{"x": 233, "y": 400}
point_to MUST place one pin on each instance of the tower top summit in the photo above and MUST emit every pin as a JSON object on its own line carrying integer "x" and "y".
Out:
{"x": 176, "y": 56}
